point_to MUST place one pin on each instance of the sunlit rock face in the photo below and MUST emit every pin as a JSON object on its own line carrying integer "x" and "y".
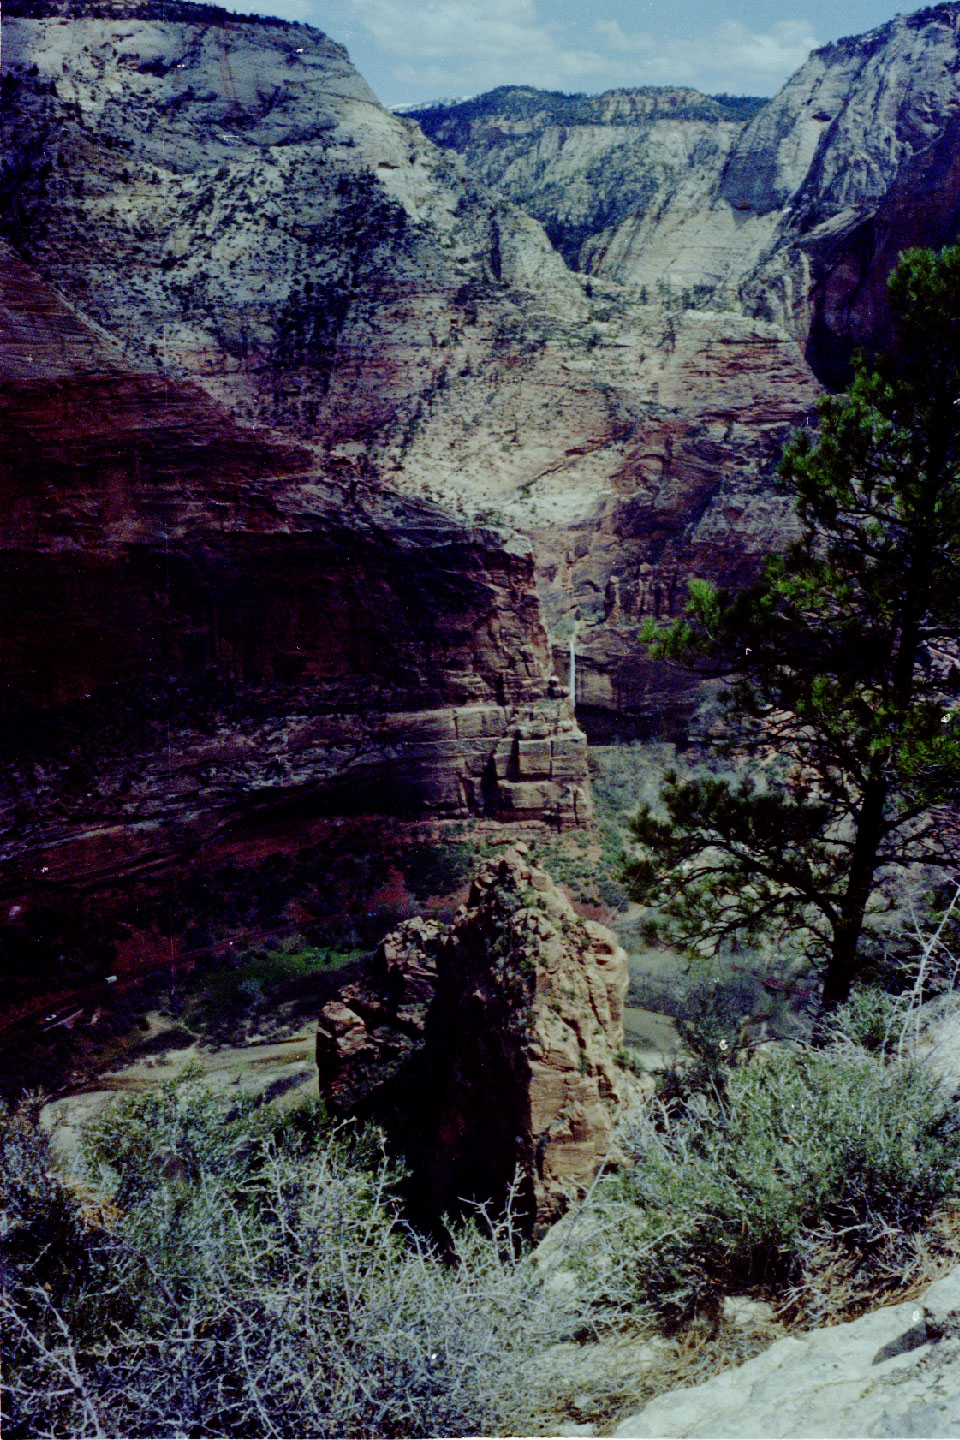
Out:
{"x": 795, "y": 215}
{"x": 585, "y": 164}
{"x": 488, "y": 1045}
{"x": 227, "y": 198}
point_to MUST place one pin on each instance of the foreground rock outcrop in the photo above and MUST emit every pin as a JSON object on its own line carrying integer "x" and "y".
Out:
{"x": 494, "y": 1039}
{"x": 895, "y": 1371}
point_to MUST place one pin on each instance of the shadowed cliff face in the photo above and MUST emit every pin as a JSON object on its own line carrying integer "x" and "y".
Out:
{"x": 230, "y": 201}
{"x": 206, "y": 643}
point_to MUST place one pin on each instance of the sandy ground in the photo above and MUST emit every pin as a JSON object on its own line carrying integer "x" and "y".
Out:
{"x": 284, "y": 1067}
{"x": 654, "y": 1037}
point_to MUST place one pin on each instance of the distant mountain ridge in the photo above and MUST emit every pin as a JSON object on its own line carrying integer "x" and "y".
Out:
{"x": 791, "y": 210}
{"x": 583, "y": 163}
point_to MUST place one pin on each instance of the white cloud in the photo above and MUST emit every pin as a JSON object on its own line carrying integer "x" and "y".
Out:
{"x": 771, "y": 55}
{"x": 474, "y": 45}
{"x": 728, "y": 57}
{"x": 616, "y": 38}
{"x": 415, "y": 49}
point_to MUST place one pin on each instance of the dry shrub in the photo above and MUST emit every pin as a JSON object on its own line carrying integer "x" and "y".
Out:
{"x": 256, "y": 1278}
{"x": 810, "y": 1180}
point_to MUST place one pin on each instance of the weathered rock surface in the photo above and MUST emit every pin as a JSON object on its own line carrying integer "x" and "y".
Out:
{"x": 205, "y": 639}
{"x": 795, "y": 216}
{"x": 895, "y": 1371}
{"x": 582, "y": 164}
{"x": 227, "y": 197}
{"x": 514, "y": 1014}
{"x": 798, "y": 227}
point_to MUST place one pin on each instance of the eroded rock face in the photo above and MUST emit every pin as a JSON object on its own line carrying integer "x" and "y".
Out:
{"x": 583, "y": 164}
{"x": 512, "y": 1015}
{"x": 227, "y": 196}
{"x": 205, "y": 638}
{"x": 228, "y": 199}
{"x": 796, "y": 215}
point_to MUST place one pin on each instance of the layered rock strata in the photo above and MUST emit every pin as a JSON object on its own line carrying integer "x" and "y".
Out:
{"x": 497, "y": 1034}
{"x": 227, "y": 197}
{"x": 583, "y": 164}
{"x": 204, "y": 638}
{"x": 794, "y": 215}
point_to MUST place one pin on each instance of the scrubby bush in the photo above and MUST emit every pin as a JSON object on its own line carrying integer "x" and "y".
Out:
{"x": 812, "y": 1159}
{"x": 245, "y": 1274}
{"x": 872, "y": 1019}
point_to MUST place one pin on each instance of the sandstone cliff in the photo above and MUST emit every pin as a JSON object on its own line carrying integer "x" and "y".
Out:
{"x": 229, "y": 200}
{"x": 582, "y": 164}
{"x": 795, "y": 216}
{"x": 497, "y": 1034}
{"x": 206, "y": 642}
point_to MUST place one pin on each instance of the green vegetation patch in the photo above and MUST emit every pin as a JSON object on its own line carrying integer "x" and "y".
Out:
{"x": 227, "y": 1271}
{"x": 806, "y": 1178}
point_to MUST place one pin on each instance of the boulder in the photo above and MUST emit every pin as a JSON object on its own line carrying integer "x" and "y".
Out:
{"x": 895, "y": 1371}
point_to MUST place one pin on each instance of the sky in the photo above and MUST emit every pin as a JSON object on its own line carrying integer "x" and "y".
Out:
{"x": 411, "y": 51}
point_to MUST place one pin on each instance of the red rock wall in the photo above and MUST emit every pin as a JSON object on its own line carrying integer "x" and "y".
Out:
{"x": 201, "y": 634}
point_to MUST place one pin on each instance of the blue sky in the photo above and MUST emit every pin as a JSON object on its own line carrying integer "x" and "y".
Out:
{"x": 416, "y": 50}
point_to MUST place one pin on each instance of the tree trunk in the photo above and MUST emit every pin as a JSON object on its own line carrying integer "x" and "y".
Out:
{"x": 842, "y": 965}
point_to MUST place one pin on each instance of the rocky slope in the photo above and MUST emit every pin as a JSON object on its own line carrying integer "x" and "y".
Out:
{"x": 207, "y": 642}
{"x": 488, "y": 1044}
{"x": 583, "y": 164}
{"x": 228, "y": 198}
{"x": 895, "y": 1371}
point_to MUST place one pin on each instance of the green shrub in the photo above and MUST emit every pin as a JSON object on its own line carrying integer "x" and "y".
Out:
{"x": 708, "y": 1021}
{"x": 872, "y": 1019}
{"x": 799, "y": 1158}
{"x": 252, "y": 1275}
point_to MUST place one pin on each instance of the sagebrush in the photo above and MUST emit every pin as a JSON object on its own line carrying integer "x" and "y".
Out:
{"x": 245, "y": 1274}
{"x": 815, "y": 1159}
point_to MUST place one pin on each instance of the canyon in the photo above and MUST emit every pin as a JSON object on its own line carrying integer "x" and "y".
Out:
{"x": 319, "y": 455}
{"x": 792, "y": 211}
{"x": 328, "y": 438}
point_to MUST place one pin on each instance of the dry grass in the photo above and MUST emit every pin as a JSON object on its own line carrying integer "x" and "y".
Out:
{"x": 898, "y": 1267}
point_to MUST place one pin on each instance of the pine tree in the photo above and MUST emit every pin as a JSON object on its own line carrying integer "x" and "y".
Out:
{"x": 843, "y": 694}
